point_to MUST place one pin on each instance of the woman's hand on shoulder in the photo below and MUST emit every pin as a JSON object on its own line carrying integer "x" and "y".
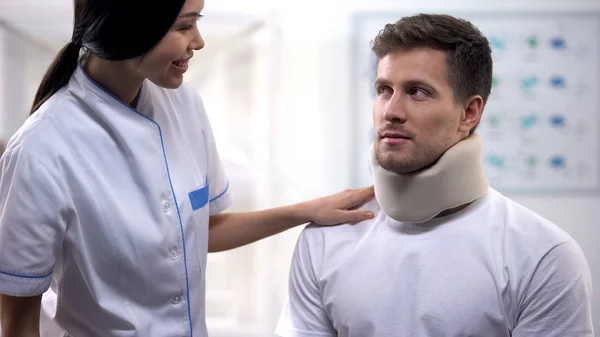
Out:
{"x": 340, "y": 208}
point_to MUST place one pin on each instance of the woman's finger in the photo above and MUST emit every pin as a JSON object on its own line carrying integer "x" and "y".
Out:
{"x": 362, "y": 196}
{"x": 354, "y": 216}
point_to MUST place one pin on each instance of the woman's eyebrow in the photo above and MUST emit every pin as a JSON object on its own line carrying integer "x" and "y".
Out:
{"x": 189, "y": 15}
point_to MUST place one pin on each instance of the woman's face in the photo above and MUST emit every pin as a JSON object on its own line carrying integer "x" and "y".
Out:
{"x": 166, "y": 63}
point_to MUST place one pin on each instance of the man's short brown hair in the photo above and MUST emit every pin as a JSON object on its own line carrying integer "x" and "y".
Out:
{"x": 468, "y": 52}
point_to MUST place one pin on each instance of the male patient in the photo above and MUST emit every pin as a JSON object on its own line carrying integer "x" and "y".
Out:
{"x": 446, "y": 255}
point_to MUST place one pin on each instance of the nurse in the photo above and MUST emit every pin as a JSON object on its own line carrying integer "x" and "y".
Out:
{"x": 111, "y": 193}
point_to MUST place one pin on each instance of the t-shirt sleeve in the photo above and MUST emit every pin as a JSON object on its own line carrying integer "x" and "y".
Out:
{"x": 32, "y": 225}
{"x": 557, "y": 302}
{"x": 218, "y": 182}
{"x": 303, "y": 314}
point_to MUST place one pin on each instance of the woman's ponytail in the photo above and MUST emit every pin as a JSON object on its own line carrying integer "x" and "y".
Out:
{"x": 58, "y": 74}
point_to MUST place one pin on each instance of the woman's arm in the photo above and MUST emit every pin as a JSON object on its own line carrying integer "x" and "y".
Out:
{"x": 20, "y": 316}
{"x": 232, "y": 230}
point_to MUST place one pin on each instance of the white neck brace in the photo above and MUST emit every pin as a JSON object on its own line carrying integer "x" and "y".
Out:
{"x": 456, "y": 179}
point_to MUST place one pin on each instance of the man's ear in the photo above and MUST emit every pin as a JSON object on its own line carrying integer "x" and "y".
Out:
{"x": 471, "y": 114}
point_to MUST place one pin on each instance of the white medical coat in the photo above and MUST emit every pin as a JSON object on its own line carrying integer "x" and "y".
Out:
{"x": 110, "y": 205}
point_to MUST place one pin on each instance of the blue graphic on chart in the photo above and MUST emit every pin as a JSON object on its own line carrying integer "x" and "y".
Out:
{"x": 541, "y": 124}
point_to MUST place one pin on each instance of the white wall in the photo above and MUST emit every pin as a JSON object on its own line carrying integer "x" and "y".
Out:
{"x": 12, "y": 86}
{"x": 23, "y": 62}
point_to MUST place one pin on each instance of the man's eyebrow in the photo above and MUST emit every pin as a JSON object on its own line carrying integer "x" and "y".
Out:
{"x": 382, "y": 81}
{"x": 420, "y": 83}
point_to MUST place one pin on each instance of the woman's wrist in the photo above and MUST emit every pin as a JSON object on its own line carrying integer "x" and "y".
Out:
{"x": 299, "y": 214}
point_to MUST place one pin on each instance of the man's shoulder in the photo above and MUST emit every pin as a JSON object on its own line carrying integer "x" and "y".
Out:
{"x": 517, "y": 214}
{"x": 524, "y": 227}
{"x": 313, "y": 231}
{"x": 339, "y": 237}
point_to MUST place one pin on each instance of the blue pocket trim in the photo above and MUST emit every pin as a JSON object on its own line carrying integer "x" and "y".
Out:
{"x": 199, "y": 198}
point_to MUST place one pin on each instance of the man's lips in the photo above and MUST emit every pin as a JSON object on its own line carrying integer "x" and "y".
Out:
{"x": 394, "y": 135}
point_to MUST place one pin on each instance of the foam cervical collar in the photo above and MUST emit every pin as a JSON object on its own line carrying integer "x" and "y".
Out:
{"x": 456, "y": 179}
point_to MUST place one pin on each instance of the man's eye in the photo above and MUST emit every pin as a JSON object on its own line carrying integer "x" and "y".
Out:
{"x": 384, "y": 90}
{"x": 419, "y": 94}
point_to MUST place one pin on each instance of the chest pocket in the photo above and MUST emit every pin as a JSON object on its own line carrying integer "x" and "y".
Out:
{"x": 199, "y": 198}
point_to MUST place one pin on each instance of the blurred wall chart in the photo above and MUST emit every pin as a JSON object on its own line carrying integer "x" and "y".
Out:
{"x": 541, "y": 126}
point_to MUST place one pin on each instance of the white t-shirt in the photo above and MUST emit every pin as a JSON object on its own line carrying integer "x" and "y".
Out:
{"x": 110, "y": 206}
{"x": 494, "y": 269}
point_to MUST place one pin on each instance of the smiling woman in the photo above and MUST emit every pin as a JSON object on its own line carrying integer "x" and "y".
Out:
{"x": 109, "y": 32}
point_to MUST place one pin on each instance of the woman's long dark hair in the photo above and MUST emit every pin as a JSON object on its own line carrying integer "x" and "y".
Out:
{"x": 112, "y": 30}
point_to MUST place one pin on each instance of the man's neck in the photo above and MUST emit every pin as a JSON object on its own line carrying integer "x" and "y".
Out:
{"x": 447, "y": 187}
{"x": 452, "y": 210}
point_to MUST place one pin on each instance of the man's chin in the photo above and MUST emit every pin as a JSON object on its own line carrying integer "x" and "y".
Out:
{"x": 401, "y": 169}
{"x": 396, "y": 163}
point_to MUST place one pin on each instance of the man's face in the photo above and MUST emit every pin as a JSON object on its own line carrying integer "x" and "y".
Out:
{"x": 415, "y": 113}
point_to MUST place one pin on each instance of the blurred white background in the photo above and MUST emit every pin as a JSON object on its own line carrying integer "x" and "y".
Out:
{"x": 276, "y": 80}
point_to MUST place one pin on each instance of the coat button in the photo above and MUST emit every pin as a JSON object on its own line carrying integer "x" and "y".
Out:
{"x": 176, "y": 299}
{"x": 173, "y": 254}
{"x": 166, "y": 206}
